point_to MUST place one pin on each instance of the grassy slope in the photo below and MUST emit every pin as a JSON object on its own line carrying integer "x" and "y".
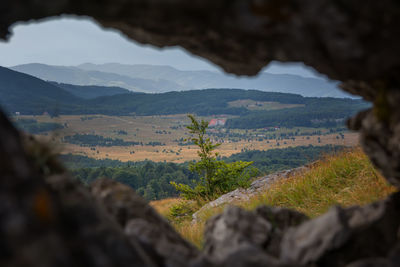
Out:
{"x": 345, "y": 179}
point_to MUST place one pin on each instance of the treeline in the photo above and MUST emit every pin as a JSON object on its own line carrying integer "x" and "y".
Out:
{"x": 34, "y": 127}
{"x": 149, "y": 179}
{"x": 92, "y": 140}
{"x": 201, "y": 102}
{"x": 152, "y": 180}
{"x": 282, "y": 159}
{"x": 318, "y": 112}
{"x": 73, "y": 162}
{"x": 31, "y": 96}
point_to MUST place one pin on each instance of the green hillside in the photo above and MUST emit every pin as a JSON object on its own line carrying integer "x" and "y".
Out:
{"x": 31, "y": 96}
{"x": 26, "y": 94}
{"x": 91, "y": 91}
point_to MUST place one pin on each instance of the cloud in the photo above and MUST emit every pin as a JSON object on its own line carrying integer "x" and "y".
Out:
{"x": 73, "y": 41}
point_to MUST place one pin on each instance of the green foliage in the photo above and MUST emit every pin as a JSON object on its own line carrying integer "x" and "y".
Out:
{"x": 318, "y": 112}
{"x": 34, "y": 127}
{"x": 216, "y": 177}
{"x": 150, "y": 179}
{"x": 278, "y": 159}
{"x": 96, "y": 140}
{"x": 183, "y": 210}
{"x": 31, "y": 96}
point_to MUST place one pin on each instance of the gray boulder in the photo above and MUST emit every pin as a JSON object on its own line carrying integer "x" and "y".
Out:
{"x": 233, "y": 228}
{"x": 141, "y": 222}
{"x": 280, "y": 219}
{"x": 342, "y": 236}
{"x": 240, "y": 232}
{"x": 53, "y": 220}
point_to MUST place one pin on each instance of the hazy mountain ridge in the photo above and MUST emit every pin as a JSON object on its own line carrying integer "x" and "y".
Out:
{"x": 286, "y": 83}
{"x": 29, "y": 95}
{"x": 77, "y": 76}
{"x": 156, "y": 79}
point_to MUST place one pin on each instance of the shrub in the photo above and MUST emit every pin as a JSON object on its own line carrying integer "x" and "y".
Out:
{"x": 216, "y": 177}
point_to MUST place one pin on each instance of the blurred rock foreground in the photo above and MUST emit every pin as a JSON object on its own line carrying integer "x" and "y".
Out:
{"x": 49, "y": 219}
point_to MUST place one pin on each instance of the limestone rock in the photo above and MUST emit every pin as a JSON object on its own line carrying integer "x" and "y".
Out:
{"x": 308, "y": 242}
{"x": 374, "y": 262}
{"x": 342, "y": 236}
{"x": 141, "y": 222}
{"x": 248, "y": 255}
{"x": 257, "y": 187}
{"x": 235, "y": 227}
{"x": 54, "y": 222}
{"x": 380, "y": 134}
{"x": 281, "y": 219}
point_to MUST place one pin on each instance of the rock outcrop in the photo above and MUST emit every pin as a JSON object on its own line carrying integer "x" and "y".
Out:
{"x": 47, "y": 219}
{"x": 141, "y": 222}
{"x": 53, "y": 220}
{"x": 342, "y": 236}
{"x": 257, "y": 187}
{"x": 236, "y": 231}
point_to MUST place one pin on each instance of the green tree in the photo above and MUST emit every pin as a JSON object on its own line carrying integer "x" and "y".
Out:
{"x": 216, "y": 177}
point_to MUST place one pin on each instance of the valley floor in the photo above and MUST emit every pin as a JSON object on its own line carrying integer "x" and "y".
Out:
{"x": 162, "y": 138}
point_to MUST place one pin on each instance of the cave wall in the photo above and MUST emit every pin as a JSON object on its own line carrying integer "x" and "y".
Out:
{"x": 356, "y": 42}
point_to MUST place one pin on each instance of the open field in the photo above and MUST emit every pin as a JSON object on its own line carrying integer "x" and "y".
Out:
{"x": 179, "y": 154}
{"x": 170, "y": 131}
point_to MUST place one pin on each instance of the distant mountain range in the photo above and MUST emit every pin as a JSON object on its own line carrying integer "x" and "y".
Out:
{"x": 24, "y": 94}
{"x": 78, "y": 76}
{"x": 20, "y": 92}
{"x": 158, "y": 79}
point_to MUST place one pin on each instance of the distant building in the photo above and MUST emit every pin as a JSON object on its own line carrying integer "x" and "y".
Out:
{"x": 17, "y": 113}
{"x": 216, "y": 122}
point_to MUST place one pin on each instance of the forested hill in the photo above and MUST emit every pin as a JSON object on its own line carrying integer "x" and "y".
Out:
{"x": 158, "y": 79}
{"x": 200, "y": 102}
{"x": 91, "y": 91}
{"x": 318, "y": 112}
{"x": 256, "y": 109}
{"x": 26, "y": 94}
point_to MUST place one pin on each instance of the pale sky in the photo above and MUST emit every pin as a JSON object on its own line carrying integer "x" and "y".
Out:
{"x": 71, "y": 41}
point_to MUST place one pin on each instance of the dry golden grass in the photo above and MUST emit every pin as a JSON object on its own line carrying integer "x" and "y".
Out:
{"x": 345, "y": 179}
{"x": 163, "y": 206}
{"x": 191, "y": 232}
{"x": 186, "y": 153}
{"x": 144, "y": 129}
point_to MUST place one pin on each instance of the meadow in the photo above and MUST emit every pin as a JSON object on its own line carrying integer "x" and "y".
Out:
{"x": 345, "y": 179}
{"x": 170, "y": 132}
